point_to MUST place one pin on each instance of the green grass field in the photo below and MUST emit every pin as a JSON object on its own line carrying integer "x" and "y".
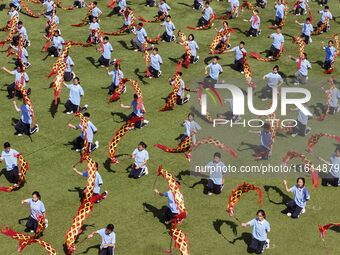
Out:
{"x": 132, "y": 206}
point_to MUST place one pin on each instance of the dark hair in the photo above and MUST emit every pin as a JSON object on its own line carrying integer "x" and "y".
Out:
{"x": 95, "y": 2}
{"x": 257, "y": 11}
{"x": 207, "y": 2}
{"x": 327, "y": 7}
{"x": 169, "y": 16}
{"x": 37, "y": 194}
{"x": 262, "y": 212}
{"x": 76, "y": 78}
{"x": 226, "y": 22}
{"x": 330, "y": 41}
{"x": 305, "y": 54}
{"x": 110, "y": 227}
{"x": 156, "y": 49}
{"x": 191, "y": 114}
{"x": 180, "y": 73}
{"x": 140, "y": 24}
{"x": 20, "y": 22}
{"x": 266, "y": 126}
{"x": 143, "y": 144}
{"x": 276, "y": 67}
{"x": 217, "y": 154}
{"x": 106, "y": 38}
{"x": 193, "y": 37}
{"x": 6, "y": 145}
{"x": 86, "y": 114}
{"x": 337, "y": 149}
{"x": 135, "y": 96}
{"x": 302, "y": 179}
{"x": 242, "y": 42}
{"x": 308, "y": 19}
{"x": 216, "y": 57}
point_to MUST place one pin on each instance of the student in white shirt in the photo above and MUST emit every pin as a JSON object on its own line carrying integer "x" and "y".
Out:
{"x": 140, "y": 156}
{"x": 105, "y": 58}
{"x": 107, "y": 246}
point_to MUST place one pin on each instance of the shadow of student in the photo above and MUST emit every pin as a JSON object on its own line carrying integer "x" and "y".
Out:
{"x": 120, "y": 115}
{"x": 182, "y": 173}
{"x": 124, "y": 44}
{"x": 318, "y": 109}
{"x": 14, "y": 121}
{"x": 141, "y": 77}
{"x": 254, "y": 147}
{"x": 218, "y": 223}
{"x": 204, "y": 183}
{"x": 96, "y": 247}
{"x": 54, "y": 108}
{"x": 245, "y": 236}
{"x": 92, "y": 61}
{"x": 157, "y": 213}
{"x": 285, "y": 198}
{"x": 80, "y": 192}
{"x": 185, "y": 4}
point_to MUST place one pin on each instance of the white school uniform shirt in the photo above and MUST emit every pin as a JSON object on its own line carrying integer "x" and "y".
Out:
{"x": 140, "y": 156}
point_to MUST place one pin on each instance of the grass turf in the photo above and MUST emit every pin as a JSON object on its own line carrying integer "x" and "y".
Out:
{"x": 131, "y": 204}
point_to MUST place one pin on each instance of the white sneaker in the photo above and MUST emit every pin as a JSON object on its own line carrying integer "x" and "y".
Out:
{"x": 293, "y": 135}
{"x": 78, "y": 150}
{"x": 135, "y": 50}
{"x": 296, "y": 84}
{"x": 264, "y": 99}
{"x": 303, "y": 210}
{"x": 86, "y": 106}
{"x": 146, "y": 171}
{"x": 289, "y": 214}
{"x": 19, "y": 134}
{"x": 97, "y": 144}
{"x": 267, "y": 245}
{"x": 188, "y": 96}
{"x": 68, "y": 113}
{"x": 210, "y": 193}
{"x": 146, "y": 121}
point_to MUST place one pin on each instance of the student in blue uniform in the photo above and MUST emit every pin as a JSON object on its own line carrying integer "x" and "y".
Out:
{"x": 155, "y": 64}
{"x": 172, "y": 210}
{"x": 331, "y": 52}
{"x": 207, "y": 14}
{"x": 105, "y": 58}
{"x": 332, "y": 177}
{"x": 20, "y": 77}
{"x": 37, "y": 209}
{"x": 297, "y": 206}
{"x": 23, "y": 126}
{"x": 240, "y": 53}
{"x": 68, "y": 75}
{"x": 140, "y": 156}
{"x": 215, "y": 69}
{"x": 261, "y": 228}
{"x": 10, "y": 156}
{"x": 107, "y": 246}
{"x": 141, "y": 36}
{"x": 307, "y": 29}
{"x": 76, "y": 93}
{"x": 216, "y": 179}
{"x": 57, "y": 44}
{"x": 117, "y": 76}
{"x": 169, "y": 26}
{"x": 138, "y": 111}
{"x": 273, "y": 80}
{"x": 264, "y": 150}
{"x": 193, "y": 49}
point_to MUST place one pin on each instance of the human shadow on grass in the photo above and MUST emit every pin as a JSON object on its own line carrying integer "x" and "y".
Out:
{"x": 204, "y": 182}
{"x": 80, "y": 192}
{"x": 254, "y": 147}
{"x": 54, "y": 108}
{"x": 157, "y": 213}
{"x": 121, "y": 115}
{"x": 107, "y": 164}
{"x": 96, "y": 247}
{"x": 185, "y": 4}
{"x": 124, "y": 44}
{"x": 22, "y": 220}
{"x": 285, "y": 198}
{"x": 175, "y": 60}
{"x": 2, "y": 7}
{"x": 14, "y": 121}
{"x": 182, "y": 173}
{"x": 140, "y": 76}
{"x": 245, "y": 236}
{"x": 92, "y": 61}
{"x": 241, "y": 31}
{"x": 318, "y": 109}
{"x": 218, "y": 224}
{"x": 318, "y": 62}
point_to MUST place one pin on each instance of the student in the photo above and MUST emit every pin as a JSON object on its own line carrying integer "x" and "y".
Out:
{"x": 50, "y": 19}
{"x": 57, "y": 44}
{"x": 68, "y": 75}
{"x": 223, "y": 41}
{"x": 198, "y": 4}
{"x": 240, "y": 53}
{"x": 301, "y": 195}
{"x": 98, "y": 182}
{"x": 138, "y": 111}
{"x": 141, "y": 35}
{"x": 140, "y": 156}
{"x": 79, "y": 3}
{"x": 20, "y": 77}
{"x": 303, "y": 65}
{"x": 191, "y": 128}
{"x": 16, "y": 4}
{"x": 76, "y": 92}
{"x": 169, "y": 26}
{"x": 120, "y": 8}
{"x": 150, "y": 3}
{"x": 300, "y": 8}
{"x": 193, "y": 49}
{"x": 172, "y": 210}
{"x": 330, "y": 54}
{"x": 105, "y": 58}
{"x": 155, "y": 64}
{"x": 37, "y": 209}
{"x": 94, "y": 28}
{"x": 24, "y": 36}
{"x": 266, "y": 140}
{"x": 255, "y": 22}
{"x": 10, "y": 156}
{"x": 207, "y": 15}
{"x": 49, "y": 4}
{"x": 325, "y": 15}
{"x": 23, "y": 126}
{"x": 216, "y": 169}
{"x": 24, "y": 57}
{"x": 335, "y": 95}
{"x": 214, "y": 71}
{"x": 164, "y": 9}
{"x": 107, "y": 246}
{"x": 277, "y": 45}
{"x": 261, "y": 3}
{"x": 279, "y": 13}
{"x": 301, "y": 128}
{"x": 273, "y": 80}
{"x": 117, "y": 77}
{"x": 181, "y": 98}
{"x": 128, "y": 15}
{"x": 307, "y": 29}
{"x": 332, "y": 178}
{"x": 13, "y": 12}
{"x": 261, "y": 228}
{"x": 91, "y": 131}
{"x": 233, "y": 9}
{"x": 95, "y": 12}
